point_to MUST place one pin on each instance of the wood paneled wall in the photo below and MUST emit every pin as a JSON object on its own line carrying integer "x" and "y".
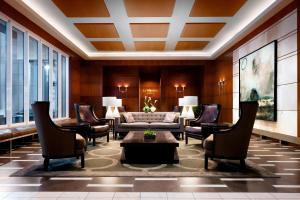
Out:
{"x": 191, "y": 77}
{"x": 211, "y": 92}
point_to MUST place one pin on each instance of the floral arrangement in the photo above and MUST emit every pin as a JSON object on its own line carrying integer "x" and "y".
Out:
{"x": 149, "y": 106}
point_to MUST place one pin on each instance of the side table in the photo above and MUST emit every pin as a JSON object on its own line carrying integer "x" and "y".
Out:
{"x": 111, "y": 123}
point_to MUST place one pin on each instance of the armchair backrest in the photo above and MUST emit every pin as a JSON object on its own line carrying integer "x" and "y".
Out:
{"x": 54, "y": 142}
{"x": 85, "y": 113}
{"x": 210, "y": 113}
{"x": 235, "y": 143}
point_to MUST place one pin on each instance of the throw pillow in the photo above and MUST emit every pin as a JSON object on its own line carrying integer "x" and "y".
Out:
{"x": 169, "y": 118}
{"x": 129, "y": 118}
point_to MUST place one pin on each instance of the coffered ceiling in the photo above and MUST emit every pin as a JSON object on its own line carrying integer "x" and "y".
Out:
{"x": 103, "y": 28}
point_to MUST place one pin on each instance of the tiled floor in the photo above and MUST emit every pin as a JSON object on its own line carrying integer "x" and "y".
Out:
{"x": 144, "y": 195}
{"x": 283, "y": 160}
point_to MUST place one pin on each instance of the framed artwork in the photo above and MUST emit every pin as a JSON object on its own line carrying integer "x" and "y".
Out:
{"x": 258, "y": 74}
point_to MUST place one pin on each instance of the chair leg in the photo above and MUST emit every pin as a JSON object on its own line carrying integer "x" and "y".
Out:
{"x": 46, "y": 163}
{"x": 94, "y": 140}
{"x": 107, "y": 137}
{"x": 186, "y": 139}
{"x": 182, "y": 135}
{"x": 205, "y": 162}
{"x": 82, "y": 160}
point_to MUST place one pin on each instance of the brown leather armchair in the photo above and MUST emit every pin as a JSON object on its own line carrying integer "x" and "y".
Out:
{"x": 98, "y": 127}
{"x": 56, "y": 142}
{"x": 232, "y": 143}
{"x": 210, "y": 114}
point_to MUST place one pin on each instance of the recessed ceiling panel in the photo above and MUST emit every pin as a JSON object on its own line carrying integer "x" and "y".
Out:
{"x": 82, "y": 8}
{"x": 216, "y": 8}
{"x": 108, "y": 46}
{"x": 201, "y": 29}
{"x": 96, "y": 30}
{"x": 191, "y": 45}
{"x": 150, "y": 46}
{"x": 149, "y": 8}
{"x": 140, "y": 30}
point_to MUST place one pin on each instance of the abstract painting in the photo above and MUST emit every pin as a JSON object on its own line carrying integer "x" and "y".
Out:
{"x": 258, "y": 80}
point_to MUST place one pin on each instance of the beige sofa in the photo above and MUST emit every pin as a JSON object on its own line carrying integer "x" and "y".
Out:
{"x": 153, "y": 121}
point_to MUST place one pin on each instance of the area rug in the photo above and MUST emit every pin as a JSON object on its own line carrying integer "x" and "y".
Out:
{"x": 104, "y": 160}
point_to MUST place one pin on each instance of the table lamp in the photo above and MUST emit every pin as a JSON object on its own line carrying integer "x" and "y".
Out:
{"x": 109, "y": 102}
{"x": 189, "y": 102}
{"x": 181, "y": 102}
{"x": 118, "y": 103}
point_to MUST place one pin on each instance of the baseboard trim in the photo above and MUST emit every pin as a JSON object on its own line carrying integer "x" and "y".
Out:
{"x": 278, "y": 136}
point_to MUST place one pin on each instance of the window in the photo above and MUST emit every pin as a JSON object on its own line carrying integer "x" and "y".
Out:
{"x": 33, "y": 74}
{"x": 55, "y": 84}
{"x": 17, "y": 75}
{"x": 63, "y": 85}
{"x": 3, "y": 58}
{"x": 26, "y": 69}
{"x": 45, "y": 72}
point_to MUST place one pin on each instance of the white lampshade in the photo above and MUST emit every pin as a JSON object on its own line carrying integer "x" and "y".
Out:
{"x": 108, "y": 101}
{"x": 118, "y": 102}
{"x": 181, "y": 102}
{"x": 190, "y": 100}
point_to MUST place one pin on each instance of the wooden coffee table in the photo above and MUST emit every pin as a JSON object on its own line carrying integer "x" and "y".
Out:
{"x": 162, "y": 149}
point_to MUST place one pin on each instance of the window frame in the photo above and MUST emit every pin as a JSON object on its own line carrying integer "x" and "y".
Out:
{"x": 10, "y": 23}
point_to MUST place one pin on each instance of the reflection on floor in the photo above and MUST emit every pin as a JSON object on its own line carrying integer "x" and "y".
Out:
{"x": 283, "y": 160}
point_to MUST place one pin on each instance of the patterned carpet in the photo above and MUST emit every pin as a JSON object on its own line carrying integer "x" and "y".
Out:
{"x": 104, "y": 160}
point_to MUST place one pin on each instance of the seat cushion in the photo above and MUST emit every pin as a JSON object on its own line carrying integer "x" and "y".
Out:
{"x": 193, "y": 129}
{"x": 100, "y": 128}
{"x": 80, "y": 142}
{"x": 135, "y": 125}
{"x": 5, "y": 134}
{"x": 164, "y": 125}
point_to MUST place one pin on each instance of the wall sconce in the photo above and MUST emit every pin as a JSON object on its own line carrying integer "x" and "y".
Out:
{"x": 221, "y": 84}
{"x": 180, "y": 88}
{"x": 122, "y": 90}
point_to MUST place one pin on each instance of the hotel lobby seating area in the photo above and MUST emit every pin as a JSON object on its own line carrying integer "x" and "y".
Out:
{"x": 143, "y": 99}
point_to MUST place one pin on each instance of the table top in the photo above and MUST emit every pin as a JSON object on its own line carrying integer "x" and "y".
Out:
{"x": 137, "y": 137}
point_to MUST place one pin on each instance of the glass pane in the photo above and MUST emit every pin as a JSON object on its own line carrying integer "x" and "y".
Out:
{"x": 17, "y": 76}
{"x": 33, "y": 74}
{"x": 55, "y": 84}
{"x": 45, "y": 73}
{"x": 3, "y": 58}
{"x": 63, "y": 85}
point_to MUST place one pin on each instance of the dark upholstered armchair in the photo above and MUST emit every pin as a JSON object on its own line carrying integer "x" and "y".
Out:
{"x": 233, "y": 143}
{"x": 209, "y": 114}
{"x": 56, "y": 142}
{"x": 98, "y": 127}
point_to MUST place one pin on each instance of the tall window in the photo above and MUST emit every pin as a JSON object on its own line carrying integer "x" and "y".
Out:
{"x": 3, "y": 57}
{"x": 33, "y": 74}
{"x": 17, "y": 75}
{"x": 55, "y": 84}
{"x": 63, "y": 85}
{"x": 45, "y": 73}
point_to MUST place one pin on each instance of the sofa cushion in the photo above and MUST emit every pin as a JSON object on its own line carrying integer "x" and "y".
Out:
{"x": 149, "y": 117}
{"x": 135, "y": 125}
{"x": 169, "y": 117}
{"x": 164, "y": 125}
{"x": 128, "y": 117}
